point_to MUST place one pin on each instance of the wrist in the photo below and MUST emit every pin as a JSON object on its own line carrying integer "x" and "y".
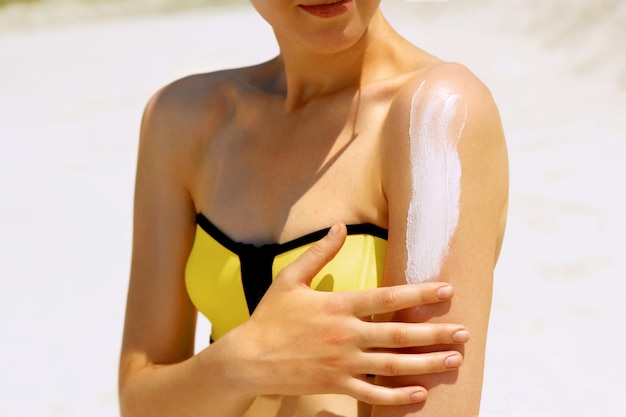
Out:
{"x": 230, "y": 360}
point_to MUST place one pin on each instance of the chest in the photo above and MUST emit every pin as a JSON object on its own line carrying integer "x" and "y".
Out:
{"x": 226, "y": 279}
{"x": 268, "y": 176}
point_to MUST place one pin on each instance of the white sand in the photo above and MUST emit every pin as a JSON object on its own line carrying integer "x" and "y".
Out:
{"x": 71, "y": 98}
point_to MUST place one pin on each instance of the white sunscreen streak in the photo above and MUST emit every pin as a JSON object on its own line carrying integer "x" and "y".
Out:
{"x": 435, "y": 130}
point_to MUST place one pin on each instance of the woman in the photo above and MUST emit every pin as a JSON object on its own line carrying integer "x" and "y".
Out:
{"x": 350, "y": 124}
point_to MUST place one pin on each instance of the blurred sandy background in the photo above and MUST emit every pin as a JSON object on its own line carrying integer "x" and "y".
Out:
{"x": 74, "y": 77}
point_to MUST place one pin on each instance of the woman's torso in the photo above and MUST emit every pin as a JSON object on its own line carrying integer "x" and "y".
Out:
{"x": 264, "y": 175}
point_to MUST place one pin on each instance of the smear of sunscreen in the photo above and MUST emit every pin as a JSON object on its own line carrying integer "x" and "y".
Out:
{"x": 436, "y": 125}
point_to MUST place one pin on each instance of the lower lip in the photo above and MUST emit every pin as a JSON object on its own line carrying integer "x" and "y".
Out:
{"x": 328, "y": 10}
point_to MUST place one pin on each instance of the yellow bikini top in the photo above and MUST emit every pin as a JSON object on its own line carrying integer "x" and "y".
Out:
{"x": 226, "y": 279}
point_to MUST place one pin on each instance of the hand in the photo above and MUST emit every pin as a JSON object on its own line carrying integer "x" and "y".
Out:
{"x": 300, "y": 341}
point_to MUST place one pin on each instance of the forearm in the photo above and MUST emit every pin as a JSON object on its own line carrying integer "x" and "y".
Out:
{"x": 199, "y": 386}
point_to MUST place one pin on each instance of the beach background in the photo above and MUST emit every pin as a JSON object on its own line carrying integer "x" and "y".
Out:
{"x": 75, "y": 76}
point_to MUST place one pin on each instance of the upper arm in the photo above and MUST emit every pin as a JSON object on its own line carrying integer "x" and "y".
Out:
{"x": 467, "y": 259}
{"x": 160, "y": 319}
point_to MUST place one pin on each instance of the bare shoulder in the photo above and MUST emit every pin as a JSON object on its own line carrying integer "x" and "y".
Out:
{"x": 441, "y": 87}
{"x": 189, "y": 109}
{"x": 441, "y": 82}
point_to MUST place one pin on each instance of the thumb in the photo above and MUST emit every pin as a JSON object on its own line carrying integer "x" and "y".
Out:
{"x": 307, "y": 265}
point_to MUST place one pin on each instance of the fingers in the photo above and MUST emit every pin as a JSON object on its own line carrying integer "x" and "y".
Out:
{"x": 397, "y": 364}
{"x": 389, "y": 299}
{"x": 405, "y": 335}
{"x": 390, "y": 365}
{"x": 378, "y": 395}
{"x": 313, "y": 260}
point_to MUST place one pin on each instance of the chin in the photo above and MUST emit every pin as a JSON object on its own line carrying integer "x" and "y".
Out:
{"x": 332, "y": 40}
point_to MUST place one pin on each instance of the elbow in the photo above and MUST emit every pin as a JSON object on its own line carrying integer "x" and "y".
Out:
{"x": 132, "y": 403}
{"x": 127, "y": 399}
{"x": 128, "y": 392}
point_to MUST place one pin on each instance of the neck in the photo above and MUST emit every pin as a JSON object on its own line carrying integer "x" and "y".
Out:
{"x": 309, "y": 74}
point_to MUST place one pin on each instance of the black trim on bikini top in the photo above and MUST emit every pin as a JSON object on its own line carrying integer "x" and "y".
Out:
{"x": 256, "y": 260}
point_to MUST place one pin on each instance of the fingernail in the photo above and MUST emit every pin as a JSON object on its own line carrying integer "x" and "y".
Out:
{"x": 445, "y": 292}
{"x": 333, "y": 230}
{"x": 461, "y": 336}
{"x": 453, "y": 361}
{"x": 418, "y": 396}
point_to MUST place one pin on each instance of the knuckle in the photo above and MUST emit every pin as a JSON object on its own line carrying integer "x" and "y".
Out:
{"x": 318, "y": 251}
{"x": 443, "y": 335}
{"x": 336, "y": 338}
{"x": 388, "y": 298}
{"x": 336, "y": 305}
{"x": 400, "y": 337}
{"x": 422, "y": 297}
{"x": 391, "y": 366}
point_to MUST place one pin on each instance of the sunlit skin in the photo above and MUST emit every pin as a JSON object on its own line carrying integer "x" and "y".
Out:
{"x": 315, "y": 137}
